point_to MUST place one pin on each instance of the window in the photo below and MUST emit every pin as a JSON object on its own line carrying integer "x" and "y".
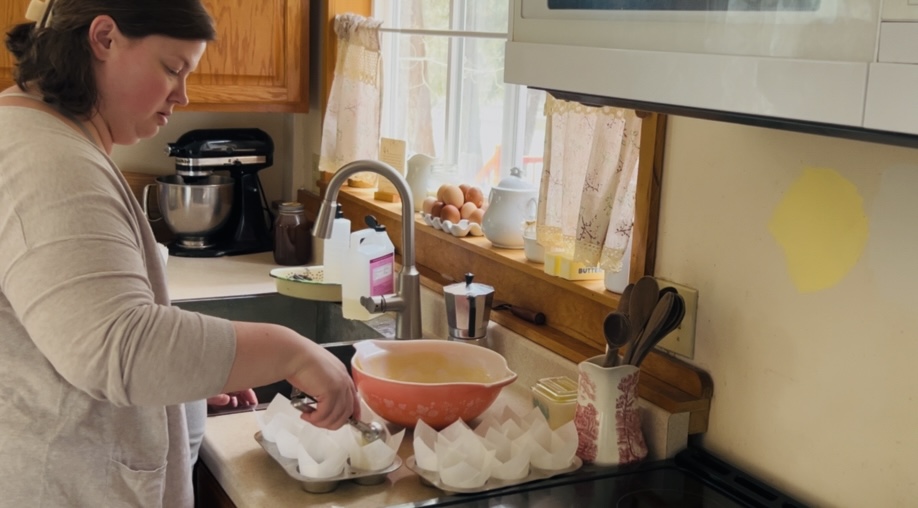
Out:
{"x": 444, "y": 92}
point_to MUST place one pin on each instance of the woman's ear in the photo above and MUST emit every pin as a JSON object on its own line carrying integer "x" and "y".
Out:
{"x": 102, "y": 32}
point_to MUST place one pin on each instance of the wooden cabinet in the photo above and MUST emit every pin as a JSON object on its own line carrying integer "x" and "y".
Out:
{"x": 11, "y": 13}
{"x": 259, "y": 62}
{"x": 207, "y": 490}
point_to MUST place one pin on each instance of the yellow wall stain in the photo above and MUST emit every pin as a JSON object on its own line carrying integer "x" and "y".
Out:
{"x": 822, "y": 227}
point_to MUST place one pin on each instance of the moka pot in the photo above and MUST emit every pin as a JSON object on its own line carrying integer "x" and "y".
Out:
{"x": 468, "y": 308}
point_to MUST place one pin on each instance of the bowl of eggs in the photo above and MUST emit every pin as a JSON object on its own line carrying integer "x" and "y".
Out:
{"x": 456, "y": 209}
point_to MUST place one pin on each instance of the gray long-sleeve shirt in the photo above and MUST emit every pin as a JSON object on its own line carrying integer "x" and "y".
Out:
{"x": 94, "y": 363}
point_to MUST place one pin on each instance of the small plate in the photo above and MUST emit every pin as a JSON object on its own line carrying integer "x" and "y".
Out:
{"x": 305, "y": 282}
{"x": 433, "y": 478}
{"x": 323, "y": 485}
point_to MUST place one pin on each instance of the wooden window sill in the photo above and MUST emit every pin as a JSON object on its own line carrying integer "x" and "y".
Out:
{"x": 574, "y": 309}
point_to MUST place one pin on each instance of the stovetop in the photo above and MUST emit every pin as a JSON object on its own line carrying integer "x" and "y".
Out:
{"x": 693, "y": 479}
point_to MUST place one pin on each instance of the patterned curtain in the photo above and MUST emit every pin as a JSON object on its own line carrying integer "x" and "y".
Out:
{"x": 586, "y": 198}
{"x": 351, "y": 126}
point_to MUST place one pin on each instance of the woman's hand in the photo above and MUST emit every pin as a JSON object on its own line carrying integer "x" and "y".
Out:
{"x": 242, "y": 398}
{"x": 266, "y": 353}
{"x": 326, "y": 380}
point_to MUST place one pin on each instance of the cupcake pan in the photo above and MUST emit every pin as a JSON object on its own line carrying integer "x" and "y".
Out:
{"x": 323, "y": 485}
{"x": 432, "y": 478}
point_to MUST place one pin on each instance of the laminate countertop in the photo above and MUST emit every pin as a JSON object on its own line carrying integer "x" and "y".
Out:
{"x": 252, "y": 478}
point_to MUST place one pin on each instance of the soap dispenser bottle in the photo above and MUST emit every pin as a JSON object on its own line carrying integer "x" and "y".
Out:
{"x": 335, "y": 248}
{"x": 370, "y": 269}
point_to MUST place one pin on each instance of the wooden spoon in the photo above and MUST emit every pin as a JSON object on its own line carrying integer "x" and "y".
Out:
{"x": 625, "y": 300}
{"x": 617, "y": 330}
{"x": 643, "y": 300}
{"x": 672, "y": 321}
{"x": 650, "y": 335}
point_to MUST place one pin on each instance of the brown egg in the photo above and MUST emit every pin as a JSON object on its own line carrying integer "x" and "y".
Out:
{"x": 476, "y": 216}
{"x": 474, "y": 195}
{"x": 464, "y": 187}
{"x": 452, "y": 195}
{"x": 427, "y": 204}
{"x": 440, "y": 191}
{"x": 450, "y": 213}
{"x": 436, "y": 208}
{"x": 467, "y": 209}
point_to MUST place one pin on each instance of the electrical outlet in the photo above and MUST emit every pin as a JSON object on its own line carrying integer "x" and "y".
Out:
{"x": 681, "y": 341}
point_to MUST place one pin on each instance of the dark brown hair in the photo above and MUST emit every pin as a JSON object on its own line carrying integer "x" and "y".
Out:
{"x": 57, "y": 60}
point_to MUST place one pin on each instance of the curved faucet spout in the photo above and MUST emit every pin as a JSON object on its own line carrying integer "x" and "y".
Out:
{"x": 408, "y": 292}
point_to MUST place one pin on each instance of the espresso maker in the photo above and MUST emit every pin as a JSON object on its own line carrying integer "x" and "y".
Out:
{"x": 242, "y": 153}
{"x": 468, "y": 310}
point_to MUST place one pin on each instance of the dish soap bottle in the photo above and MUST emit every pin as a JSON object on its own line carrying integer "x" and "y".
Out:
{"x": 370, "y": 269}
{"x": 335, "y": 248}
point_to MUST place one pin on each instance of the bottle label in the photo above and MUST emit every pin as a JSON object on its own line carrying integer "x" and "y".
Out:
{"x": 381, "y": 280}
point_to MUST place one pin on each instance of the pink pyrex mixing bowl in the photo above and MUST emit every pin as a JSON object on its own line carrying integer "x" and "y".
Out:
{"x": 436, "y": 381}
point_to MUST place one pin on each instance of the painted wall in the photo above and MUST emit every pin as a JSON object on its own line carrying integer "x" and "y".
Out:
{"x": 804, "y": 251}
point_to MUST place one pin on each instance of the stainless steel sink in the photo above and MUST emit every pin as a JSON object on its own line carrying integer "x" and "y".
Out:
{"x": 320, "y": 321}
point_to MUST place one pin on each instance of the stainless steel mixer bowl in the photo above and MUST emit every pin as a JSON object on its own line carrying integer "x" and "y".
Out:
{"x": 195, "y": 206}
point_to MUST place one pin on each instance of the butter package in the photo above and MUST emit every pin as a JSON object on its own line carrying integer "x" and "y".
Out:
{"x": 566, "y": 268}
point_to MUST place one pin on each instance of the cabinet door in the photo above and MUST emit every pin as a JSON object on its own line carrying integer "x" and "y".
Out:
{"x": 259, "y": 62}
{"x": 11, "y": 12}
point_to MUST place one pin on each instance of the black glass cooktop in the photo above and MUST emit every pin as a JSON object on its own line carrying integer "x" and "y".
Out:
{"x": 693, "y": 479}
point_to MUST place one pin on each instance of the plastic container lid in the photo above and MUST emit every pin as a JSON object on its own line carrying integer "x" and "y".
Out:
{"x": 558, "y": 389}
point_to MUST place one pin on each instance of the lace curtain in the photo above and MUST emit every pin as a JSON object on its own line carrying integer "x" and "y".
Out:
{"x": 350, "y": 130}
{"x": 586, "y": 197}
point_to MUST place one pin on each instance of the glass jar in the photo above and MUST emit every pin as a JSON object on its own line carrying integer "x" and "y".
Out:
{"x": 292, "y": 235}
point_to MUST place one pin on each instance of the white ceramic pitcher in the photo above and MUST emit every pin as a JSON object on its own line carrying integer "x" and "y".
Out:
{"x": 418, "y": 177}
{"x": 510, "y": 204}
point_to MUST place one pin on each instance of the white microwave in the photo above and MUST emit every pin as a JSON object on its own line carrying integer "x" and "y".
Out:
{"x": 850, "y": 63}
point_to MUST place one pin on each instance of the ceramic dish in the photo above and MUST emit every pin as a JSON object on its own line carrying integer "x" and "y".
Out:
{"x": 458, "y": 229}
{"x": 305, "y": 282}
{"x": 323, "y": 485}
{"x": 433, "y": 478}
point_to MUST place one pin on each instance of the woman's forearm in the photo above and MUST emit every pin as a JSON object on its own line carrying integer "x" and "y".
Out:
{"x": 266, "y": 353}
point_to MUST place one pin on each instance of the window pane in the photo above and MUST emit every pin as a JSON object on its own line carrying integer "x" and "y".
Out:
{"x": 462, "y": 130}
{"x": 533, "y": 142}
{"x": 414, "y": 101}
{"x": 481, "y": 110}
{"x": 487, "y": 15}
{"x": 414, "y": 14}
{"x": 469, "y": 15}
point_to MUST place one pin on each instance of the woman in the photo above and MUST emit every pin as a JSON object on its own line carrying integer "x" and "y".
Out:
{"x": 94, "y": 364}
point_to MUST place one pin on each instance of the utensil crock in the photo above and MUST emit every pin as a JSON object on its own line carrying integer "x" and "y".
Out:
{"x": 607, "y": 417}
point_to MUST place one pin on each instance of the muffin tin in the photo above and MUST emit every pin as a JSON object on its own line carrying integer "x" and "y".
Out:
{"x": 323, "y": 485}
{"x": 432, "y": 478}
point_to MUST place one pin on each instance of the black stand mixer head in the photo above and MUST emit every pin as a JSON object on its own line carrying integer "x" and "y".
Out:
{"x": 241, "y": 152}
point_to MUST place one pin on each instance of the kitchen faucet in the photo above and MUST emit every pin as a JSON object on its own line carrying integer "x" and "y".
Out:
{"x": 406, "y": 302}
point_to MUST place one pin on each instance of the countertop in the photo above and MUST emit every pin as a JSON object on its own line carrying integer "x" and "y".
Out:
{"x": 250, "y": 476}
{"x": 192, "y": 278}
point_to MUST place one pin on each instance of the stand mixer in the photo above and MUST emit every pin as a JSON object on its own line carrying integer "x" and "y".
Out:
{"x": 240, "y": 226}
